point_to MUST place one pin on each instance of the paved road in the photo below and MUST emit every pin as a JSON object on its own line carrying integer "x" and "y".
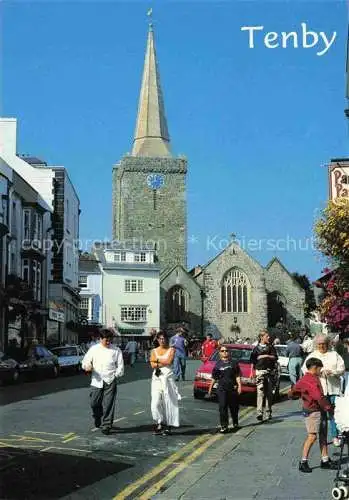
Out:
{"x": 50, "y": 449}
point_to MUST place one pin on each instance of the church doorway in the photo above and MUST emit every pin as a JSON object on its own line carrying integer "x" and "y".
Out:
{"x": 277, "y": 312}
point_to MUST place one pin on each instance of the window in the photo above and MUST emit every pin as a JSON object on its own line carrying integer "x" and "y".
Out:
{"x": 36, "y": 279}
{"x": 83, "y": 281}
{"x": 14, "y": 218}
{"x": 345, "y": 179}
{"x": 84, "y": 307}
{"x": 26, "y": 224}
{"x": 140, "y": 257}
{"x": 133, "y": 285}
{"x": 134, "y": 313}
{"x": 37, "y": 223}
{"x": 177, "y": 304}
{"x": 119, "y": 256}
{"x": 25, "y": 270}
{"x": 234, "y": 292}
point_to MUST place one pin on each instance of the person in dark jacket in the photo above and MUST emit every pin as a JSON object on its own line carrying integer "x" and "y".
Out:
{"x": 315, "y": 408}
{"x": 226, "y": 374}
{"x": 295, "y": 354}
{"x": 264, "y": 359}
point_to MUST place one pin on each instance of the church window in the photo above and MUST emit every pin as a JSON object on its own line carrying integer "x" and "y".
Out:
{"x": 234, "y": 292}
{"x": 133, "y": 285}
{"x": 177, "y": 304}
{"x": 134, "y": 313}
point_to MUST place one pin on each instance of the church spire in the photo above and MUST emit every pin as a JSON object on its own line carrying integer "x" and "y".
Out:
{"x": 151, "y": 134}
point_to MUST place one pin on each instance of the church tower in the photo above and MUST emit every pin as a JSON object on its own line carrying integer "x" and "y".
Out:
{"x": 149, "y": 185}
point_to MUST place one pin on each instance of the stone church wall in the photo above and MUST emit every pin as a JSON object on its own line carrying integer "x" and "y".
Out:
{"x": 219, "y": 323}
{"x": 179, "y": 276}
{"x": 279, "y": 280}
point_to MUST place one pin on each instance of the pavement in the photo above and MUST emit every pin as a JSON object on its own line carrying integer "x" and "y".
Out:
{"x": 49, "y": 448}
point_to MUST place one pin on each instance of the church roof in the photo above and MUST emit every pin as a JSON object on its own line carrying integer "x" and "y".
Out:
{"x": 151, "y": 134}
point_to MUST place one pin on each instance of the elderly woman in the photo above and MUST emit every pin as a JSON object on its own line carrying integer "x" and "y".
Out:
{"x": 333, "y": 369}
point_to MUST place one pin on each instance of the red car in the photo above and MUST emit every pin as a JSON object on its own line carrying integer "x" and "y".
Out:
{"x": 242, "y": 354}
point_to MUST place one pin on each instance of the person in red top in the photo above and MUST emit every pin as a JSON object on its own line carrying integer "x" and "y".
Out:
{"x": 208, "y": 347}
{"x": 315, "y": 408}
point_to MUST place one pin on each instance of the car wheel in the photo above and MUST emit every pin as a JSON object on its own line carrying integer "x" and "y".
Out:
{"x": 199, "y": 395}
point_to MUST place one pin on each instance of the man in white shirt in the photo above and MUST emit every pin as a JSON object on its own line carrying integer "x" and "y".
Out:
{"x": 106, "y": 364}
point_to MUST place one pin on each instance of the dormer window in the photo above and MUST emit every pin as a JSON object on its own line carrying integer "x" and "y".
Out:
{"x": 120, "y": 257}
{"x": 140, "y": 257}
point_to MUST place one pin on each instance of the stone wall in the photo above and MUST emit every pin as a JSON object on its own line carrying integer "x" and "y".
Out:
{"x": 219, "y": 323}
{"x": 178, "y": 276}
{"x": 140, "y": 213}
{"x": 279, "y": 280}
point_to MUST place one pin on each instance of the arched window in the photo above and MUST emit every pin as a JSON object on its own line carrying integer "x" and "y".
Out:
{"x": 234, "y": 292}
{"x": 177, "y": 304}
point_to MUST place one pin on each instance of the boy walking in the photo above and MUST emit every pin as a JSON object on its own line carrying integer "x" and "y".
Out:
{"x": 315, "y": 406}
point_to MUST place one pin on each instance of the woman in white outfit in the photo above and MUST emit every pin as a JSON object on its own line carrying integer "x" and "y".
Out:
{"x": 330, "y": 378}
{"x": 164, "y": 392}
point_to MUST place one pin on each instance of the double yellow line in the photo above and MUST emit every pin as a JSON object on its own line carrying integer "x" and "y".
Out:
{"x": 148, "y": 485}
{"x": 187, "y": 455}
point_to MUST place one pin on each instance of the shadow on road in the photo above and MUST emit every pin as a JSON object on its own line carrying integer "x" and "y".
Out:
{"x": 29, "y": 390}
{"x": 28, "y": 474}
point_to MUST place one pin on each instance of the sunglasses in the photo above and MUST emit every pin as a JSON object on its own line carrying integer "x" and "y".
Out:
{"x": 224, "y": 350}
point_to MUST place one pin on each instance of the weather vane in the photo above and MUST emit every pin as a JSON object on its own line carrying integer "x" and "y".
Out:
{"x": 150, "y": 15}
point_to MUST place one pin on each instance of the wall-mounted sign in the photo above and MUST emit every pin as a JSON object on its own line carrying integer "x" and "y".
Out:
{"x": 339, "y": 179}
{"x": 56, "y": 312}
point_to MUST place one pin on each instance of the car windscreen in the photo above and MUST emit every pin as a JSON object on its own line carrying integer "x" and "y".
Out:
{"x": 281, "y": 350}
{"x": 241, "y": 355}
{"x": 65, "y": 351}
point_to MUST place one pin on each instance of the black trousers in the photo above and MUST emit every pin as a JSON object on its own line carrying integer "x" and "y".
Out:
{"x": 228, "y": 400}
{"x": 103, "y": 403}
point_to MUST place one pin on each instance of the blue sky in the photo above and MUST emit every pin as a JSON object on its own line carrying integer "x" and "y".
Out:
{"x": 257, "y": 125}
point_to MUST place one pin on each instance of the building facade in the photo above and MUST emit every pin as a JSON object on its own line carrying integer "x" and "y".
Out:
{"x": 60, "y": 235}
{"x": 25, "y": 261}
{"x": 149, "y": 185}
{"x": 90, "y": 285}
{"x": 130, "y": 288}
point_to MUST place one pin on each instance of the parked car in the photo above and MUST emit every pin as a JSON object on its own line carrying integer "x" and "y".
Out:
{"x": 242, "y": 354}
{"x": 69, "y": 357}
{"x": 282, "y": 358}
{"x": 9, "y": 369}
{"x": 36, "y": 361}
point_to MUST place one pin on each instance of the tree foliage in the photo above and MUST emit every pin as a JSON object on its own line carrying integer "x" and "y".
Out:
{"x": 332, "y": 231}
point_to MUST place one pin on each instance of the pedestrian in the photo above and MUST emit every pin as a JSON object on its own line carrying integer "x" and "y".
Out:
{"x": 315, "y": 406}
{"x": 226, "y": 373}
{"x": 343, "y": 350}
{"x": 330, "y": 377}
{"x": 164, "y": 392}
{"x": 131, "y": 349}
{"x": 209, "y": 346}
{"x": 295, "y": 355}
{"x": 264, "y": 359}
{"x": 106, "y": 365}
{"x": 179, "y": 343}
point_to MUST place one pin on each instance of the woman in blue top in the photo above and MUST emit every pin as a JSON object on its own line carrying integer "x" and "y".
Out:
{"x": 227, "y": 375}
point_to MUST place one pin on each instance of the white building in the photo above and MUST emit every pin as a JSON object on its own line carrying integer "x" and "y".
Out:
{"x": 130, "y": 288}
{"x": 60, "y": 239}
{"x": 90, "y": 284}
{"x": 24, "y": 262}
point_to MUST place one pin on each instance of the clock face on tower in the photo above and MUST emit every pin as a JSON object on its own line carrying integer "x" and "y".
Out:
{"x": 155, "y": 181}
